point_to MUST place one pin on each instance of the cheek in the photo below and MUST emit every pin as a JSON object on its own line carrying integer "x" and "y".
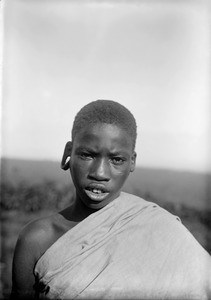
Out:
{"x": 122, "y": 171}
{"x": 78, "y": 170}
{"x": 121, "y": 175}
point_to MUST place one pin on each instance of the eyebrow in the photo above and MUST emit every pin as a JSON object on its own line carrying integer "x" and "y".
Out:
{"x": 85, "y": 148}
{"x": 92, "y": 151}
{"x": 117, "y": 153}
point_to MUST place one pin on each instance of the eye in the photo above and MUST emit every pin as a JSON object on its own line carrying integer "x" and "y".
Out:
{"x": 85, "y": 155}
{"x": 117, "y": 160}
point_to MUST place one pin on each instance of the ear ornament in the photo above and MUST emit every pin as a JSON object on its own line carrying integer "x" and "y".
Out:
{"x": 65, "y": 166}
{"x": 65, "y": 163}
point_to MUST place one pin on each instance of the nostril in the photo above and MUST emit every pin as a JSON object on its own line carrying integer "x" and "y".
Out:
{"x": 97, "y": 177}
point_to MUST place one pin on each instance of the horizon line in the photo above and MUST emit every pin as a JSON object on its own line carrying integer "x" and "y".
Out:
{"x": 139, "y": 166}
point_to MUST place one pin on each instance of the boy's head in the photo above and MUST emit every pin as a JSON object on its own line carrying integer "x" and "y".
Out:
{"x": 105, "y": 112}
{"x": 101, "y": 154}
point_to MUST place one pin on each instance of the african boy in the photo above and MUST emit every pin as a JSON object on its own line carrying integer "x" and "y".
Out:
{"x": 108, "y": 244}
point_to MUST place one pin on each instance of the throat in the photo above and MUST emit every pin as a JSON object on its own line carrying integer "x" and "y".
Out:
{"x": 79, "y": 210}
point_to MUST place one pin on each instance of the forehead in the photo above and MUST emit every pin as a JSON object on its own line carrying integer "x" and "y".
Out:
{"x": 103, "y": 134}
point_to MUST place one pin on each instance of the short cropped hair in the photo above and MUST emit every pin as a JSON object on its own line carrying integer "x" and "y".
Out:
{"x": 105, "y": 112}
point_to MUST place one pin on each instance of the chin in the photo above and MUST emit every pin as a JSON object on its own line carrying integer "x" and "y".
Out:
{"x": 97, "y": 206}
{"x": 97, "y": 202}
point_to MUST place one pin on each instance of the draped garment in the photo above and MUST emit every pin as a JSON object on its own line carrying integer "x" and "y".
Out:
{"x": 130, "y": 249}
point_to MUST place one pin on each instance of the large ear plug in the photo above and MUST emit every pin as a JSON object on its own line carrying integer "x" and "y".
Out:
{"x": 65, "y": 163}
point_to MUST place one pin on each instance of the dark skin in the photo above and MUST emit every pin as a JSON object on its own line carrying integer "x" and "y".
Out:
{"x": 100, "y": 160}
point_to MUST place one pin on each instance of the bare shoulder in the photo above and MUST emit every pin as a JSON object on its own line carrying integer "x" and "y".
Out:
{"x": 34, "y": 239}
{"x": 37, "y": 234}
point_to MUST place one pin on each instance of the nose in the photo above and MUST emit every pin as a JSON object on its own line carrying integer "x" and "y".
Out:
{"x": 100, "y": 170}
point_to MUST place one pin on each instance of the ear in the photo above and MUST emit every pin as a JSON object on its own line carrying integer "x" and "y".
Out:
{"x": 66, "y": 155}
{"x": 133, "y": 162}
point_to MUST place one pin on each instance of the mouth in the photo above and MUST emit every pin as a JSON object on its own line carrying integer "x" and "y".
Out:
{"x": 96, "y": 193}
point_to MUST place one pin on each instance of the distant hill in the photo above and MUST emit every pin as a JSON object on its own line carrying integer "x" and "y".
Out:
{"x": 33, "y": 171}
{"x": 178, "y": 187}
{"x": 160, "y": 185}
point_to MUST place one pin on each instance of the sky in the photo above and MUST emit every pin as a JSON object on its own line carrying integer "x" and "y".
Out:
{"x": 151, "y": 56}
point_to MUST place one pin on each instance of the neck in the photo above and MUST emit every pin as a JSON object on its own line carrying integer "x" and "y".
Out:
{"x": 78, "y": 211}
{"x": 81, "y": 209}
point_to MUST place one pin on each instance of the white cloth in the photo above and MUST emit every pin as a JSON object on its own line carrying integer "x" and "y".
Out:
{"x": 130, "y": 249}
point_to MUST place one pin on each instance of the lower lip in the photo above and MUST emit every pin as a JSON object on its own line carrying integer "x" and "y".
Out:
{"x": 96, "y": 197}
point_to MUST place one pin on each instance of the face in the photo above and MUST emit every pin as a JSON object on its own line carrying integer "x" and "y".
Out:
{"x": 102, "y": 157}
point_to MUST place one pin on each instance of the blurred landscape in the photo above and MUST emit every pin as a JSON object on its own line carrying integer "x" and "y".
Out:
{"x": 32, "y": 189}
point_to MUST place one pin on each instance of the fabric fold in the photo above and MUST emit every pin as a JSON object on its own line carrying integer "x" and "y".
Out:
{"x": 130, "y": 249}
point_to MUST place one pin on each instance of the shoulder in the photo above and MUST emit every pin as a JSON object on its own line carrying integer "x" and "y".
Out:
{"x": 132, "y": 200}
{"x": 32, "y": 242}
{"x": 41, "y": 233}
{"x": 150, "y": 209}
{"x": 34, "y": 236}
{"x": 170, "y": 229}
{"x": 150, "y": 213}
{"x": 35, "y": 229}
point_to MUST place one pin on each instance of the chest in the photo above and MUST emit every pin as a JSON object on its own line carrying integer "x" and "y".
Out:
{"x": 55, "y": 229}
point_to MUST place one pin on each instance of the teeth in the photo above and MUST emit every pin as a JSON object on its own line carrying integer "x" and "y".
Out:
{"x": 97, "y": 191}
